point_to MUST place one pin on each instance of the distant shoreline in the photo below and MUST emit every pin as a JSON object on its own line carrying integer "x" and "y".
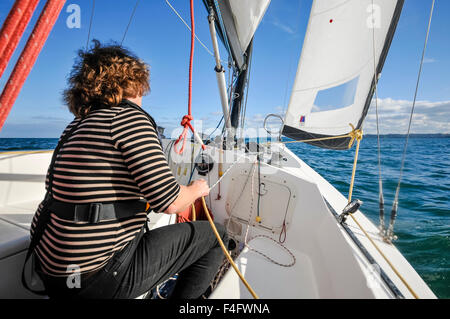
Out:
{"x": 433, "y": 135}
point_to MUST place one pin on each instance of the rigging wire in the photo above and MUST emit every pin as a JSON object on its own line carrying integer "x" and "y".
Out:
{"x": 229, "y": 88}
{"x": 292, "y": 62}
{"x": 129, "y": 22}
{"x": 380, "y": 178}
{"x": 217, "y": 127}
{"x": 182, "y": 20}
{"x": 90, "y": 25}
{"x": 230, "y": 95}
{"x": 285, "y": 106}
{"x": 390, "y": 232}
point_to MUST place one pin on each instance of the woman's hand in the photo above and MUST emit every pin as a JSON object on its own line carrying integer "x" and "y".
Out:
{"x": 188, "y": 195}
{"x": 200, "y": 187}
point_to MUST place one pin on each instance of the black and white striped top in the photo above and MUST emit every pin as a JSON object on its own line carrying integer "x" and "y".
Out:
{"x": 113, "y": 155}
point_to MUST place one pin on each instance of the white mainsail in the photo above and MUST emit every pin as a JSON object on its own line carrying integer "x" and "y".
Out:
{"x": 336, "y": 72}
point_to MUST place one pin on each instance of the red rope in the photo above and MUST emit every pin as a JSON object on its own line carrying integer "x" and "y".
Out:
{"x": 28, "y": 57}
{"x": 13, "y": 29}
{"x": 11, "y": 22}
{"x": 186, "y": 121}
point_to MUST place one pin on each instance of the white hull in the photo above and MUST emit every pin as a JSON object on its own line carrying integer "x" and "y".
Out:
{"x": 329, "y": 264}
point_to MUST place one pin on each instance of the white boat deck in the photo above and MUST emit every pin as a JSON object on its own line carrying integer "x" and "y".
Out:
{"x": 20, "y": 214}
{"x": 268, "y": 279}
{"x": 328, "y": 263}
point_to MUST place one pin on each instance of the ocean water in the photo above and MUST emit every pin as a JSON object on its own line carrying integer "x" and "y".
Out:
{"x": 423, "y": 222}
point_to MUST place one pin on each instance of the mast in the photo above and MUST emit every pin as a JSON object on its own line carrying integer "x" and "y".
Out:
{"x": 235, "y": 22}
{"x": 239, "y": 89}
{"x": 220, "y": 71}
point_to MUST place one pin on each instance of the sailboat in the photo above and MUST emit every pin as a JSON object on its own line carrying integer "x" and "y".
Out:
{"x": 296, "y": 235}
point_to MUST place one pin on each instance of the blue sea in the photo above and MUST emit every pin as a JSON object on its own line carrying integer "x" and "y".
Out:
{"x": 423, "y": 223}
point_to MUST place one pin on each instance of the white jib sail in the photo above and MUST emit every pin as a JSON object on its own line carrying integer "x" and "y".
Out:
{"x": 336, "y": 67}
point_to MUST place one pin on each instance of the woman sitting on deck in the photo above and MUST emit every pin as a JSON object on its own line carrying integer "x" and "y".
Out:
{"x": 109, "y": 160}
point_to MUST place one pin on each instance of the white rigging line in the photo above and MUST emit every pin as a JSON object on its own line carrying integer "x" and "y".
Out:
{"x": 380, "y": 178}
{"x": 129, "y": 22}
{"x": 179, "y": 16}
{"x": 90, "y": 25}
{"x": 292, "y": 65}
{"x": 390, "y": 231}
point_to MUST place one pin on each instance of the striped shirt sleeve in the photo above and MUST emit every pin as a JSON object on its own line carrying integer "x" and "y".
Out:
{"x": 136, "y": 138}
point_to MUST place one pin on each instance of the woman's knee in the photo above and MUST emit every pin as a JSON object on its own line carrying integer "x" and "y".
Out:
{"x": 206, "y": 232}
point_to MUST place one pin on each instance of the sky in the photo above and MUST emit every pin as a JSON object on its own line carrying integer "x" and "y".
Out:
{"x": 159, "y": 38}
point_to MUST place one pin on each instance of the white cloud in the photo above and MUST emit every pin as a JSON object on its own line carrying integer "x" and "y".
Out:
{"x": 429, "y": 60}
{"x": 429, "y": 117}
{"x": 283, "y": 26}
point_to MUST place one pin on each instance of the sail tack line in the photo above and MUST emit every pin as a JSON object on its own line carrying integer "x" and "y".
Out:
{"x": 26, "y": 61}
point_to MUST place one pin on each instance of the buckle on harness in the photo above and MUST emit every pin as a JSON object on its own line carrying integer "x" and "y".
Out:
{"x": 94, "y": 212}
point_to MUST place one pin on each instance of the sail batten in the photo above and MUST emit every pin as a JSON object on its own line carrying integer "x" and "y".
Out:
{"x": 335, "y": 78}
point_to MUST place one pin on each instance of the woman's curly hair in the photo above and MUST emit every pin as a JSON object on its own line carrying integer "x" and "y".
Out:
{"x": 104, "y": 76}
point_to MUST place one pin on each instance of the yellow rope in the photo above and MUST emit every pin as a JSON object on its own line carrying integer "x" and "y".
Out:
{"x": 386, "y": 259}
{"x": 194, "y": 214}
{"x": 225, "y": 251}
{"x": 357, "y": 134}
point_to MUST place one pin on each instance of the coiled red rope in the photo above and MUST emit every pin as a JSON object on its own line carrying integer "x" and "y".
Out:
{"x": 186, "y": 121}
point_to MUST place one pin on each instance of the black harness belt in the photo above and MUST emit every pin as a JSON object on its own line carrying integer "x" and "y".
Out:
{"x": 96, "y": 212}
